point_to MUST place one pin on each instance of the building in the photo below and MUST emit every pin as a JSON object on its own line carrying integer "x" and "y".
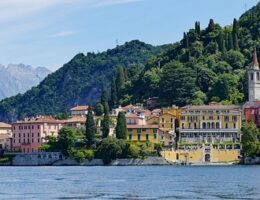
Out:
{"x": 75, "y": 121}
{"x": 254, "y": 79}
{"x": 210, "y": 124}
{"x": 143, "y": 133}
{"x": 30, "y": 134}
{"x": 252, "y": 107}
{"x": 79, "y": 111}
{"x": 5, "y": 142}
{"x": 5, "y": 128}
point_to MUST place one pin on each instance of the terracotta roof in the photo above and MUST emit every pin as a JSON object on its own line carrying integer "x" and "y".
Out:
{"x": 79, "y": 108}
{"x": 4, "y": 125}
{"x": 39, "y": 119}
{"x": 75, "y": 119}
{"x": 255, "y": 60}
{"x": 143, "y": 126}
{"x": 131, "y": 115}
{"x": 211, "y": 107}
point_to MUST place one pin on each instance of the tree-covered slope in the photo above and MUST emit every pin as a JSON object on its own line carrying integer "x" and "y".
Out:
{"x": 206, "y": 65}
{"x": 77, "y": 82}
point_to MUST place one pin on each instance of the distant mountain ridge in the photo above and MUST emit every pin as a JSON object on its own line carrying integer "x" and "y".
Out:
{"x": 18, "y": 78}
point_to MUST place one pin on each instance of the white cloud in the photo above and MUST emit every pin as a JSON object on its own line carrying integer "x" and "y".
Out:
{"x": 65, "y": 33}
{"x": 15, "y": 9}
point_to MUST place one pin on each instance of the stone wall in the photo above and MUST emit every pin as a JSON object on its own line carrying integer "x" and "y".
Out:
{"x": 36, "y": 159}
{"x": 251, "y": 161}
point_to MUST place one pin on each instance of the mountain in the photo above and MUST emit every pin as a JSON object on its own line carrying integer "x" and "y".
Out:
{"x": 18, "y": 78}
{"x": 78, "y": 82}
{"x": 206, "y": 65}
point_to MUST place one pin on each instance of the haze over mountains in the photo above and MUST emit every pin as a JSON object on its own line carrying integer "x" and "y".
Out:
{"x": 18, "y": 78}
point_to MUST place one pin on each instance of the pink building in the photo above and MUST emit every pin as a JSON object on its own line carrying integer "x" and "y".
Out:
{"x": 28, "y": 135}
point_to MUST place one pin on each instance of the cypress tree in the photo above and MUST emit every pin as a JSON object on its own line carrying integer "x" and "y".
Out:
{"x": 105, "y": 125}
{"x": 185, "y": 40}
{"x": 121, "y": 126}
{"x": 120, "y": 80}
{"x": 90, "y": 128}
{"x": 235, "y": 42}
{"x": 197, "y": 27}
{"x": 113, "y": 92}
{"x": 230, "y": 42}
{"x": 235, "y": 35}
{"x": 221, "y": 43}
{"x": 211, "y": 25}
{"x": 104, "y": 100}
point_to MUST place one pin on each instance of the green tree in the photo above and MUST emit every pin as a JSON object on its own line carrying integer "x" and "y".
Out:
{"x": 250, "y": 144}
{"x": 198, "y": 98}
{"x": 109, "y": 149}
{"x": 120, "y": 80}
{"x": 105, "y": 125}
{"x": 121, "y": 126}
{"x": 66, "y": 140}
{"x": 90, "y": 128}
{"x": 99, "y": 109}
{"x": 178, "y": 83}
{"x": 114, "y": 98}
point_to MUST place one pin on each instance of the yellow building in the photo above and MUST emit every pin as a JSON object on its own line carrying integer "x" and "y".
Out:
{"x": 210, "y": 124}
{"x": 143, "y": 133}
{"x": 168, "y": 117}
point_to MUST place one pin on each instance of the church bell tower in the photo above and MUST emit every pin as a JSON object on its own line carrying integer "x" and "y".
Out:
{"x": 254, "y": 79}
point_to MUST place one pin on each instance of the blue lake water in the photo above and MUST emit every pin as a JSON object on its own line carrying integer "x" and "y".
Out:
{"x": 149, "y": 182}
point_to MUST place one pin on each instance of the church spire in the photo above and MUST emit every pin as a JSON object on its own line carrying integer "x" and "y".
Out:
{"x": 255, "y": 61}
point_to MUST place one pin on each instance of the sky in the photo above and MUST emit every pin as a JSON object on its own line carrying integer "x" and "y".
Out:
{"x": 51, "y": 32}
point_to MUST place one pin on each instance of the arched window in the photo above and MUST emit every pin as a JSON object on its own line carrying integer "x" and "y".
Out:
{"x": 217, "y": 125}
{"x": 213, "y": 125}
{"x": 204, "y": 125}
{"x": 208, "y": 125}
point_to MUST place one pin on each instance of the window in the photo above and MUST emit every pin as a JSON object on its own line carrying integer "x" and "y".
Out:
{"x": 212, "y": 125}
{"x": 14, "y": 135}
{"x": 208, "y": 125}
{"x": 32, "y": 127}
{"x": 162, "y": 120}
{"x": 38, "y": 134}
{"x": 226, "y": 118}
{"x": 195, "y": 126}
{"x": 234, "y": 118}
{"x": 217, "y": 125}
{"x": 203, "y": 117}
{"x": 154, "y": 130}
{"x": 32, "y": 134}
{"x": 252, "y": 76}
{"x": 139, "y": 130}
{"x": 14, "y": 141}
{"x": 32, "y": 140}
{"x": 257, "y": 75}
{"x": 189, "y": 125}
{"x": 163, "y": 125}
{"x": 139, "y": 137}
{"x": 204, "y": 125}
{"x": 24, "y": 135}
{"x": 182, "y": 125}
{"x": 38, "y": 126}
{"x": 130, "y": 136}
{"x": 171, "y": 120}
{"x": 171, "y": 125}
{"x": 38, "y": 140}
{"x": 14, "y": 127}
{"x": 182, "y": 117}
{"x": 147, "y": 137}
{"x": 19, "y": 141}
{"x": 210, "y": 117}
{"x": 155, "y": 136}
{"x": 234, "y": 125}
{"x": 226, "y": 125}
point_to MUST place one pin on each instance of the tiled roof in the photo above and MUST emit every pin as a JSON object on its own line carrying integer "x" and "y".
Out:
{"x": 79, "y": 108}
{"x": 40, "y": 119}
{"x": 211, "y": 107}
{"x": 75, "y": 119}
{"x": 143, "y": 126}
{"x": 4, "y": 125}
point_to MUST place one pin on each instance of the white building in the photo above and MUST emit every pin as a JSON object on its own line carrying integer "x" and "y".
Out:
{"x": 254, "y": 80}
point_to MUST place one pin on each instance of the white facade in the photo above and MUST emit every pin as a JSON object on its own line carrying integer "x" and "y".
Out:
{"x": 254, "y": 80}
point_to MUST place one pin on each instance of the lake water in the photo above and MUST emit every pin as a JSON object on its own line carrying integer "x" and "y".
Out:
{"x": 152, "y": 182}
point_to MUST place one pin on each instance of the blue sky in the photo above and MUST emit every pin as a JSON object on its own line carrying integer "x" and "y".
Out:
{"x": 50, "y": 32}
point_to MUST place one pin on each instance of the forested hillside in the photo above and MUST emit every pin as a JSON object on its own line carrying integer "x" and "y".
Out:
{"x": 78, "y": 82}
{"x": 206, "y": 65}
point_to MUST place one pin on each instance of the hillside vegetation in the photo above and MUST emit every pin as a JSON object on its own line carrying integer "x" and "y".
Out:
{"x": 206, "y": 65}
{"x": 77, "y": 82}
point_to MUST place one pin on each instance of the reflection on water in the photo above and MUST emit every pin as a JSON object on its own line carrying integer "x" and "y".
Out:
{"x": 155, "y": 182}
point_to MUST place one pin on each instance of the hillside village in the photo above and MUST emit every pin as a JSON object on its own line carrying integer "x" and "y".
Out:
{"x": 190, "y": 134}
